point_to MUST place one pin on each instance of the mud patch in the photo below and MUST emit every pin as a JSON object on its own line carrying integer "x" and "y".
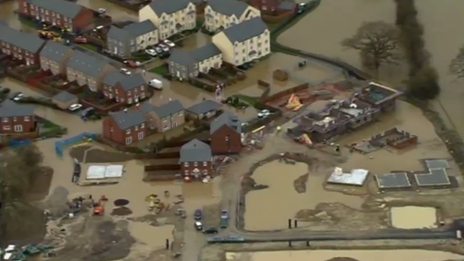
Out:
{"x": 300, "y": 183}
{"x": 342, "y": 259}
{"x": 121, "y": 211}
{"x": 89, "y": 154}
{"x": 211, "y": 215}
{"x": 39, "y": 186}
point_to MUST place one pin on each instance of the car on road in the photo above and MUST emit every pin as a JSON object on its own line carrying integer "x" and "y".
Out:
{"x": 225, "y": 214}
{"x": 80, "y": 39}
{"x": 151, "y": 52}
{"x": 155, "y": 84}
{"x": 75, "y": 107}
{"x": 169, "y": 43}
{"x": 16, "y": 96}
{"x": 264, "y": 113}
{"x": 131, "y": 63}
{"x": 198, "y": 214}
{"x": 211, "y": 230}
{"x": 198, "y": 225}
{"x": 301, "y": 8}
{"x": 125, "y": 71}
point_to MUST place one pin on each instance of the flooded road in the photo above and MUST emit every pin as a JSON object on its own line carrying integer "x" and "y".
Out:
{"x": 360, "y": 255}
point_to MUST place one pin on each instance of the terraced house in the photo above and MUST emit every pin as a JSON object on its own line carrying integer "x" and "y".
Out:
{"x": 20, "y": 45}
{"x": 221, "y": 14}
{"x": 170, "y": 17}
{"x": 132, "y": 38}
{"x": 87, "y": 70}
{"x": 244, "y": 42}
{"x": 63, "y": 14}
{"x": 185, "y": 65}
{"x": 16, "y": 118}
{"x": 124, "y": 127}
{"x": 54, "y": 57}
{"x": 128, "y": 89}
{"x": 165, "y": 117}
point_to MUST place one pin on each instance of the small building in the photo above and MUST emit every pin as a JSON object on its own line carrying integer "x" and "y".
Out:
{"x": 185, "y": 65}
{"x": 54, "y": 57}
{"x": 123, "y": 42}
{"x": 87, "y": 70}
{"x": 127, "y": 89}
{"x": 244, "y": 42}
{"x": 124, "y": 127}
{"x": 62, "y": 14}
{"x": 378, "y": 96}
{"x": 196, "y": 160}
{"x": 20, "y": 45}
{"x": 165, "y": 117}
{"x": 221, "y": 14}
{"x": 204, "y": 109}
{"x": 16, "y": 118}
{"x": 65, "y": 99}
{"x": 170, "y": 17}
{"x": 226, "y": 134}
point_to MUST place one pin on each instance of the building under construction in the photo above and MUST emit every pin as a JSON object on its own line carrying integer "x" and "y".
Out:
{"x": 339, "y": 117}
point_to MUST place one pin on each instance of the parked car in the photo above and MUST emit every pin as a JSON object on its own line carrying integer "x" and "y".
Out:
{"x": 80, "y": 39}
{"x": 131, "y": 63}
{"x": 169, "y": 43}
{"x": 85, "y": 114}
{"x": 225, "y": 214}
{"x": 75, "y": 107}
{"x": 211, "y": 230}
{"x": 125, "y": 71}
{"x": 151, "y": 52}
{"x": 101, "y": 10}
{"x": 158, "y": 50}
{"x": 198, "y": 214}
{"x": 264, "y": 114}
{"x": 164, "y": 47}
{"x": 243, "y": 67}
{"x": 16, "y": 96}
{"x": 198, "y": 226}
{"x": 301, "y": 8}
{"x": 155, "y": 84}
{"x": 224, "y": 223}
{"x": 164, "y": 55}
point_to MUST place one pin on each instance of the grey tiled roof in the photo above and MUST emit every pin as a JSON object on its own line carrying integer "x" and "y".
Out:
{"x": 286, "y": 5}
{"x": 181, "y": 57}
{"x": 113, "y": 77}
{"x": 61, "y": 7}
{"x": 227, "y": 118}
{"x": 147, "y": 107}
{"x": 228, "y": 7}
{"x": 169, "y": 108}
{"x": 168, "y": 6}
{"x": 204, "y": 107}
{"x": 11, "y": 109}
{"x": 133, "y": 81}
{"x": 86, "y": 64}
{"x": 26, "y": 41}
{"x": 119, "y": 34}
{"x": 140, "y": 28}
{"x": 128, "y": 119}
{"x": 245, "y": 30}
{"x": 206, "y": 51}
{"x": 195, "y": 151}
{"x": 54, "y": 51}
{"x": 64, "y": 96}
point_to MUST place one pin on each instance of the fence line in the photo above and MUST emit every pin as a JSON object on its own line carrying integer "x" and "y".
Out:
{"x": 59, "y": 145}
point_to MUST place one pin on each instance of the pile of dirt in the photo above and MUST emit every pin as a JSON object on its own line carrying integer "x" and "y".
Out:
{"x": 300, "y": 183}
{"x": 89, "y": 154}
{"x": 57, "y": 203}
{"x": 342, "y": 259}
{"x": 121, "y": 211}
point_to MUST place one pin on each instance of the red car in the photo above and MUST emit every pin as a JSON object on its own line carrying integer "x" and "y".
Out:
{"x": 80, "y": 39}
{"x": 133, "y": 64}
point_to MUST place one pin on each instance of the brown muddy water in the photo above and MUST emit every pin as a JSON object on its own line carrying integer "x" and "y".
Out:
{"x": 360, "y": 255}
{"x": 411, "y": 217}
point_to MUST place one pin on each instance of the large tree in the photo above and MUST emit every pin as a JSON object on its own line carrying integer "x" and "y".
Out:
{"x": 377, "y": 43}
{"x": 457, "y": 64}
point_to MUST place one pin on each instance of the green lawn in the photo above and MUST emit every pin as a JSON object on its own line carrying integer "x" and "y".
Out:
{"x": 28, "y": 22}
{"x": 162, "y": 69}
{"x": 89, "y": 47}
{"x": 248, "y": 99}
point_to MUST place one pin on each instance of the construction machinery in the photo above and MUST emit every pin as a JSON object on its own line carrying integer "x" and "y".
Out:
{"x": 294, "y": 103}
{"x": 304, "y": 139}
{"x": 99, "y": 207}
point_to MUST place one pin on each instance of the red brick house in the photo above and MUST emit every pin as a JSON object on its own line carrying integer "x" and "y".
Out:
{"x": 128, "y": 89}
{"x": 273, "y": 7}
{"x": 63, "y": 14}
{"x": 196, "y": 160}
{"x": 16, "y": 118}
{"x": 20, "y": 45}
{"x": 125, "y": 127}
{"x": 226, "y": 134}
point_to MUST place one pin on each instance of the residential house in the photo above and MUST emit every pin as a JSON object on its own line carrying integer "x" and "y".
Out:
{"x": 65, "y": 99}
{"x": 132, "y": 38}
{"x": 54, "y": 57}
{"x": 203, "y": 110}
{"x": 185, "y": 65}
{"x": 244, "y": 42}
{"x": 124, "y": 127}
{"x": 226, "y": 134}
{"x": 170, "y": 17}
{"x": 377, "y": 96}
{"x": 87, "y": 70}
{"x": 274, "y": 7}
{"x": 16, "y": 118}
{"x": 63, "y": 14}
{"x": 196, "y": 160}
{"x": 221, "y": 14}
{"x": 128, "y": 89}
{"x": 20, "y": 45}
{"x": 165, "y": 117}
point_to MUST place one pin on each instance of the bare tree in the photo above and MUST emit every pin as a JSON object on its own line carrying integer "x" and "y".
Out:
{"x": 377, "y": 43}
{"x": 457, "y": 64}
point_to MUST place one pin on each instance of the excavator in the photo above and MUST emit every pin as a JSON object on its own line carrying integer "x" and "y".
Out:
{"x": 294, "y": 103}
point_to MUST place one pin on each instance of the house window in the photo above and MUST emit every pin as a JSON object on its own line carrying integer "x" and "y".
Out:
{"x": 18, "y": 128}
{"x": 226, "y": 138}
{"x": 195, "y": 164}
{"x": 140, "y": 135}
{"x": 6, "y": 127}
{"x": 186, "y": 172}
{"x": 142, "y": 87}
{"x": 186, "y": 164}
{"x": 128, "y": 131}
{"x": 15, "y": 119}
{"x": 27, "y": 118}
{"x": 128, "y": 140}
{"x": 111, "y": 129}
{"x": 180, "y": 113}
{"x": 205, "y": 172}
{"x": 136, "y": 128}
{"x": 142, "y": 126}
{"x": 5, "y": 119}
{"x": 205, "y": 164}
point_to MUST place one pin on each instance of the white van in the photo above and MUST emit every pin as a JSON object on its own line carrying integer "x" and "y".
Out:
{"x": 155, "y": 84}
